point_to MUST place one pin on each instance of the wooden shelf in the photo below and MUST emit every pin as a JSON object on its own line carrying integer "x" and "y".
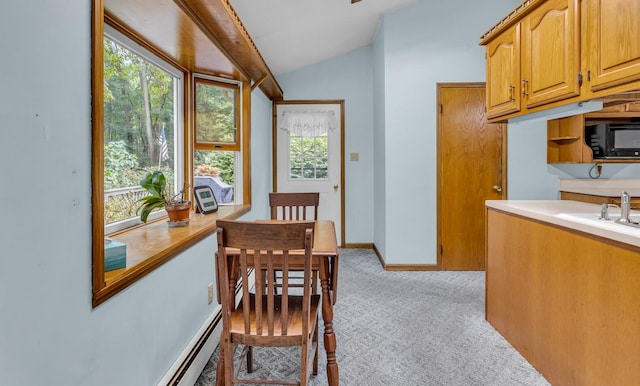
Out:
{"x": 564, "y": 139}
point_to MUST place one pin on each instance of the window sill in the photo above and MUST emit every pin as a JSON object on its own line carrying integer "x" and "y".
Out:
{"x": 153, "y": 244}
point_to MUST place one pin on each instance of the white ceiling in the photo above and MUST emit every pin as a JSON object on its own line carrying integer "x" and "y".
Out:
{"x": 291, "y": 34}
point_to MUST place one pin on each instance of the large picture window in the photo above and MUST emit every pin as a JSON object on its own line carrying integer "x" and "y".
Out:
{"x": 144, "y": 119}
{"x": 141, "y": 126}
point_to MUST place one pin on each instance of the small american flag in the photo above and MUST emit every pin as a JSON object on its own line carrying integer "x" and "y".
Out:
{"x": 162, "y": 141}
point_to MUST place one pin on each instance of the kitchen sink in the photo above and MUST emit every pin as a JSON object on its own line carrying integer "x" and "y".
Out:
{"x": 593, "y": 219}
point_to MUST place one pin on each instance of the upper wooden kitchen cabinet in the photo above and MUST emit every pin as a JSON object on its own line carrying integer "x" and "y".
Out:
{"x": 503, "y": 73}
{"x": 550, "y": 56}
{"x": 613, "y": 40}
{"x": 536, "y": 59}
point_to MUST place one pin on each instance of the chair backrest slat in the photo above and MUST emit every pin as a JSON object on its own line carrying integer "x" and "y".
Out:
{"x": 284, "y": 312}
{"x": 257, "y": 242}
{"x": 257, "y": 261}
{"x": 294, "y": 206}
{"x": 245, "y": 291}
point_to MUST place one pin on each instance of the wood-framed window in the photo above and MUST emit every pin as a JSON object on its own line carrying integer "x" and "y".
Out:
{"x": 217, "y": 144}
{"x": 143, "y": 126}
{"x": 151, "y": 245}
{"x": 216, "y": 113}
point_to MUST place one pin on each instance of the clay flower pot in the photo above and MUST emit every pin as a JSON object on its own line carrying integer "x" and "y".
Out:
{"x": 179, "y": 212}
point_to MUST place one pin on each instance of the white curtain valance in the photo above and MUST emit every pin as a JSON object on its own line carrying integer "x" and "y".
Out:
{"x": 308, "y": 124}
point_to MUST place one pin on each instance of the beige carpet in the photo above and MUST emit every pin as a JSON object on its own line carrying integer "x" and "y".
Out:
{"x": 406, "y": 328}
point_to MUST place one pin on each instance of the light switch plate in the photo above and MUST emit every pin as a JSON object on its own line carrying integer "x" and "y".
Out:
{"x": 355, "y": 156}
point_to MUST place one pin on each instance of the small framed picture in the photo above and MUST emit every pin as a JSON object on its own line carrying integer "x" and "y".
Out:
{"x": 205, "y": 200}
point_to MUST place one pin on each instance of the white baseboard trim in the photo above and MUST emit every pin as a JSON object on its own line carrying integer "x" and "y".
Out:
{"x": 189, "y": 365}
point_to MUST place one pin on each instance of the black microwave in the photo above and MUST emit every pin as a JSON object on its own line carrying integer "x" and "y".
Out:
{"x": 614, "y": 139}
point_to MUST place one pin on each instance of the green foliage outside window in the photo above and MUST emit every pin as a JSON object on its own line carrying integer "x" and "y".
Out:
{"x": 138, "y": 103}
{"x": 308, "y": 157}
{"x": 223, "y": 160}
{"x": 215, "y": 113}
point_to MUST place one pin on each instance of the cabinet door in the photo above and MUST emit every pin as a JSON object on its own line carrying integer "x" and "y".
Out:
{"x": 613, "y": 41}
{"x": 551, "y": 53}
{"x": 503, "y": 73}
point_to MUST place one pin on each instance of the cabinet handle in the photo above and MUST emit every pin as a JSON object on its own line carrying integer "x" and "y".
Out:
{"x": 497, "y": 188}
{"x": 511, "y": 89}
{"x": 524, "y": 87}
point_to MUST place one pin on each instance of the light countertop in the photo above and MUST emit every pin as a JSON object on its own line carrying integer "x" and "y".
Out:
{"x": 605, "y": 187}
{"x": 555, "y": 211}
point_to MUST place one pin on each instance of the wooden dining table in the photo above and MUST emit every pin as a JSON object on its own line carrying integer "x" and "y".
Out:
{"x": 325, "y": 262}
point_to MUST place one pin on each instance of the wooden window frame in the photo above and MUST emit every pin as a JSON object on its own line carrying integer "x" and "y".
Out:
{"x": 167, "y": 243}
{"x": 223, "y": 146}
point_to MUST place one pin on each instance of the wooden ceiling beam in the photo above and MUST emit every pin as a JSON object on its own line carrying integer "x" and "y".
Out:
{"x": 218, "y": 19}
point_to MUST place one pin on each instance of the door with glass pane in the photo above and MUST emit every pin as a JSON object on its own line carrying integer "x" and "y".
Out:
{"x": 308, "y": 154}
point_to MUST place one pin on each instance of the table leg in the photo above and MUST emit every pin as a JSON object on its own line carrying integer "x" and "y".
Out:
{"x": 327, "y": 316}
{"x": 333, "y": 269}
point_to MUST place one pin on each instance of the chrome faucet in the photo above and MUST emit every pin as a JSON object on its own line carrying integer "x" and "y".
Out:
{"x": 625, "y": 208}
{"x": 604, "y": 212}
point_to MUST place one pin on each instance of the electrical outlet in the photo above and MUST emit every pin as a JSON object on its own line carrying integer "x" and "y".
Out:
{"x": 355, "y": 156}
{"x": 210, "y": 293}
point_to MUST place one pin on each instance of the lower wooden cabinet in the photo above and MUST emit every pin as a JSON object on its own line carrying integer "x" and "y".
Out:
{"x": 567, "y": 301}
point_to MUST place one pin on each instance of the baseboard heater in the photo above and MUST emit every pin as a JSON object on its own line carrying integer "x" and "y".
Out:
{"x": 184, "y": 368}
{"x": 182, "y": 372}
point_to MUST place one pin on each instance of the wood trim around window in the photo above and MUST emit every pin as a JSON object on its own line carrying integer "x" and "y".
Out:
{"x": 97, "y": 147}
{"x": 220, "y": 146}
{"x": 167, "y": 243}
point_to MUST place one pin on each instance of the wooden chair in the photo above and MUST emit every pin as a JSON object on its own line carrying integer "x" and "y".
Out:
{"x": 264, "y": 318}
{"x": 294, "y": 206}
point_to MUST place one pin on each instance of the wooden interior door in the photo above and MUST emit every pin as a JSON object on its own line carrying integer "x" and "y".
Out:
{"x": 471, "y": 169}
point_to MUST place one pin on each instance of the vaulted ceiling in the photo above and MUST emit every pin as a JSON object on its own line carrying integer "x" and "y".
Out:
{"x": 292, "y": 34}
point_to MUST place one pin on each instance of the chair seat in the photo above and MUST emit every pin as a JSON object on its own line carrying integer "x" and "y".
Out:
{"x": 294, "y": 326}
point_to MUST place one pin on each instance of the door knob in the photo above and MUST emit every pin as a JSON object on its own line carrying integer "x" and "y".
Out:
{"x": 335, "y": 187}
{"x": 497, "y": 188}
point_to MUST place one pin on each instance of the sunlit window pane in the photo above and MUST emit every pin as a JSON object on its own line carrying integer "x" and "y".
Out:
{"x": 139, "y": 127}
{"x": 308, "y": 157}
{"x": 216, "y": 169}
{"x": 216, "y": 112}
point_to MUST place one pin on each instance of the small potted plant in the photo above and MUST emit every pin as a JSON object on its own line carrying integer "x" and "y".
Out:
{"x": 176, "y": 206}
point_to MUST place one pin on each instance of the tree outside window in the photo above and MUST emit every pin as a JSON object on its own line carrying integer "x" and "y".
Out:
{"x": 139, "y": 120}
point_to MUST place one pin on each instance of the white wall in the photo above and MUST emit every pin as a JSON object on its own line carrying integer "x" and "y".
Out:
{"x": 414, "y": 48}
{"x": 261, "y": 174}
{"x": 347, "y": 77}
{"x": 379, "y": 148}
{"x": 49, "y": 332}
{"x": 424, "y": 44}
{"x": 529, "y": 175}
